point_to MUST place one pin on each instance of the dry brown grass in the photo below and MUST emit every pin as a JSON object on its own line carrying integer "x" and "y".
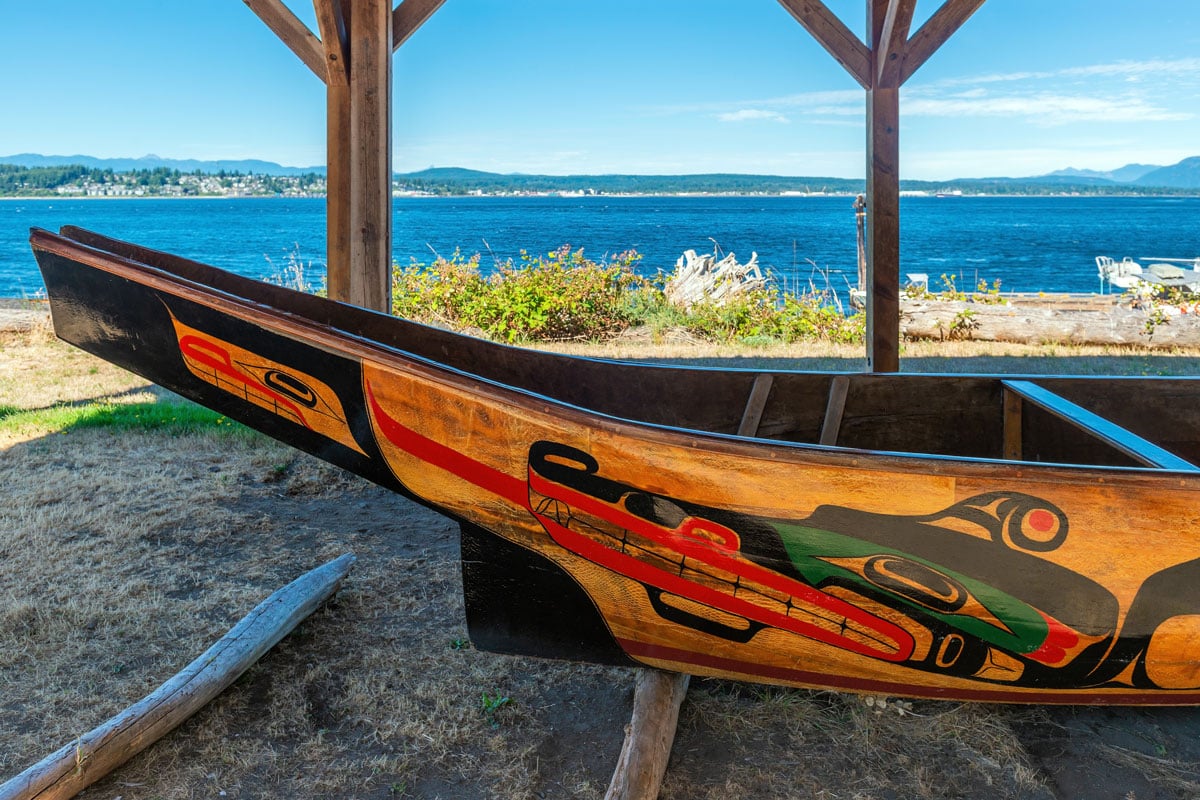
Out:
{"x": 122, "y": 556}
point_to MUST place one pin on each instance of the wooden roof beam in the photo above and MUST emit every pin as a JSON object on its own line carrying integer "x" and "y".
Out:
{"x": 294, "y": 33}
{"x": 934, "y": 33}
{"x": 833, "y": 35}
{"x": 889, "y": 51}
{"x": 410, "y": 15}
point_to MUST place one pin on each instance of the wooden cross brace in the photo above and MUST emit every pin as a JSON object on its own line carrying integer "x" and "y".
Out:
{"x": 881, "y": 65}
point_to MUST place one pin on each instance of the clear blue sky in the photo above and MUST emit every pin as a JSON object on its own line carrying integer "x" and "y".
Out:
{"x": 645, "y": 86}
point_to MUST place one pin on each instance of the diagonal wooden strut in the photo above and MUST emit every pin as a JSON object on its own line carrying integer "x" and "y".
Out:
{"x": 292, "y": 32}
{"x": 410, "y": 15}
{"x": 832, "y": 34}
{"x": 934, "y": 33}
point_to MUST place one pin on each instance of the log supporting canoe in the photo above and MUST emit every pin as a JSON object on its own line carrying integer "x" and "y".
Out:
{"x": 1011, "y": 538}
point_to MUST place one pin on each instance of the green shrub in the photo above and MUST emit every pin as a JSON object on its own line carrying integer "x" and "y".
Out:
{"x": 567, "y": 296}
{"x": 560, "y": 296}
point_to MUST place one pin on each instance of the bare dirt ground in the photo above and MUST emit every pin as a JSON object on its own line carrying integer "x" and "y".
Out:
{"x": 123, "y": 555}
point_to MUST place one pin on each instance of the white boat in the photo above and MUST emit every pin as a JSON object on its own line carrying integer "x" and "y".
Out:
{"x": 1123, "y": 274}
{"x": 1127, "y": 273}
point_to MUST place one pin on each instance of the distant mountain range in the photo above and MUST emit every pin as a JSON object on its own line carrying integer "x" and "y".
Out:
{"x": 1132, "y": 178}
{"x": 1184, "y": 175}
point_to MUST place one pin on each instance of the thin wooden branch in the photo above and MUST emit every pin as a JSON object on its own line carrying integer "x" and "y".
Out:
{"x": 334, "y": 25}
{"x": 893, "y": 38}
{"x": 649, "y": 736}
{"x": 934, "y": 33}
{"x": 77, "y": 765}
{"x": 294, "y": 33}
{"x": 410, "y": 15}
{"x": 834, "y": 36}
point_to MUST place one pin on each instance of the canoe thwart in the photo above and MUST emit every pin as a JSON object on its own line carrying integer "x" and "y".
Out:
{"x": 1128, "y": 442}
{"x": 834, "y": 408}
{"x": 755, "y": 404}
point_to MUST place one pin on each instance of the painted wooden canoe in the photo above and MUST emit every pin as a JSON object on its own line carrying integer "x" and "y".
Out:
{"x": 991, "y": 538}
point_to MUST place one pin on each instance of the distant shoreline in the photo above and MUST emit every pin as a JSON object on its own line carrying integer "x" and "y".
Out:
{"x": 613, "y": 195}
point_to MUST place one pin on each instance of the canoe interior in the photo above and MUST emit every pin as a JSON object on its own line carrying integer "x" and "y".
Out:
{"x": 943, "y": 415}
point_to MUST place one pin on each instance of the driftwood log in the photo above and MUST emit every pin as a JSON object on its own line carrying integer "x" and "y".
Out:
{"x": 704, "y": 279}
{"x": 649, "y": 735}
{"x": 1096, "y": 320}
{"x": 77, "y": 765}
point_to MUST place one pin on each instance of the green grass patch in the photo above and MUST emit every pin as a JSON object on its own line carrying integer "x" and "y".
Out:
{"x": 170, "y": 417}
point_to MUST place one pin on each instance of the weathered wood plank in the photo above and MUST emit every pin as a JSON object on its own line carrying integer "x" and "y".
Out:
{"x": 371, "y": 154}
{"x": 1126, "y": 441}
{"x": 75, "y": 766}
{"x": 934, "y": 33}
{"x": 832, "y": 34}
{"x": 410, "y": 15}
{"x": 294, "y": 33}
{"x": 648, "y": 738}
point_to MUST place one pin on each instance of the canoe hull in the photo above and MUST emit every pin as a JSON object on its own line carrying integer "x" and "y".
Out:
{"x": 596, "y": 538}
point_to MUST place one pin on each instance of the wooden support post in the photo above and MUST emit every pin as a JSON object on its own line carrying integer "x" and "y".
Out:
{"x": 333, "y": 17}
{"x": 883, "y": 196}
{"x": 371, "y": 154}
{"x": 649, "y": 735}
{"x": 353, "y": 58}
{"x": 881, "y": 66}
{"x": 883, "y": 230}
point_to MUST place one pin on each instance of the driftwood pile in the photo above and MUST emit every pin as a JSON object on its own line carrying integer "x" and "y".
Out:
{"x": 1100, "y": 320}
{"x": 704, "y": 279}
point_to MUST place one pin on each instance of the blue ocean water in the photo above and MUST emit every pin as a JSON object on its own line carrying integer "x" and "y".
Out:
{"x": 1029, "y": 244}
